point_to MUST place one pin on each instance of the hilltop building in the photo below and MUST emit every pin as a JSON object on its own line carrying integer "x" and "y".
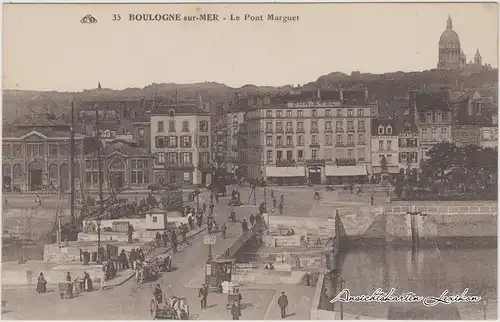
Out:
{"x": 451, "y": 55}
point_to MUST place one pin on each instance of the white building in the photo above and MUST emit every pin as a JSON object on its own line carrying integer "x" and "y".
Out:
{"x": 385, "y": 147}
{"x": 488, "y": 137}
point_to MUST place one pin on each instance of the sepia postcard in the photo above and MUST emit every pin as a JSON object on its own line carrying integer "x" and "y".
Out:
{"x": 271, "y": 161}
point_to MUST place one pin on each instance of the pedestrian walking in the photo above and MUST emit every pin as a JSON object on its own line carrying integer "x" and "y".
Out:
{"x": 123, "y": 260}
{"x": 224, "y": 230}
{"x": 204, "y": 206}
{"x": 165, "y": 239}
{"x": 244, "y": 225}
{"x": 217, "y": 198}
{"x": 211, "y": 208}
{"x": 281, "y": 209}
{"x": 174, "y": 241}
{"x": 252, "y": 219}
{"x": 274, "y": 201}
{"x": 38, "y": 200}
{"x": 103, "y": 278}
{"x": 283, "y": 303}
{"x": 272, "y": 193}
{"x": 236, "y": 310}
{"x": 371, "y": 200}
{"x": 204, "y": 295}
{"x": 282, "y": 199}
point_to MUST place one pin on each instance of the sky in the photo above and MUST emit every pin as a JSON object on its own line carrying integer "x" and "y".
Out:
{"x": 45, "y": 47}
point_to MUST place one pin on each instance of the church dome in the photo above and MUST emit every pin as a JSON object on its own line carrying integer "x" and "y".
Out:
{"x": 449, "y": 38}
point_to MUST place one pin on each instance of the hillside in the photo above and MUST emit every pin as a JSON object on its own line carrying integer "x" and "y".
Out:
{"x": 386, "y": 88}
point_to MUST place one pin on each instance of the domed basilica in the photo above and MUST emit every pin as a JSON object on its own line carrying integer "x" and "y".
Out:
{"x": 450, "y": 54}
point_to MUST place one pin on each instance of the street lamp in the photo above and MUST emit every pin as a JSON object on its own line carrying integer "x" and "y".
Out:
{"x": 99, "y": 240}
{"x": 484, "y": 305}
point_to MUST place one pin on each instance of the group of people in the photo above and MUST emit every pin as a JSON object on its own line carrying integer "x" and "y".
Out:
{"x": 282, "y": 201}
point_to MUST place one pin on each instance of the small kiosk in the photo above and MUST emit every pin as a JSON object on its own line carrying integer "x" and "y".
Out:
{"x": 218, "y": 271}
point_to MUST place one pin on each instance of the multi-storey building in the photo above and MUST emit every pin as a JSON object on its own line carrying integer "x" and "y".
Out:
{"x": 307, "y": 136}
{"x": 36, "y": 153}
{"x": 384, "y": 147}
{"x": 180, "y": 142}
{"x": 234, "y": 120}
{"x": 488, "y": 137}
{"x": 123, "y": 164}
{"x": 433, "y": 119}
{"x": 408, "y": 142}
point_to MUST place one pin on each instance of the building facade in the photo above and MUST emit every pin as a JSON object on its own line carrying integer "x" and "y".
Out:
{"x": 384, "y": 147}
{"x": 181, "y": 141}
{"x": 488, "y": 137}
{"x": 433, "y": 120}
{"x": 36, "y": 155}
{"x": 234, "y": 121}
{"x": 307, "y": 136}
{"x": 124, "y": 165}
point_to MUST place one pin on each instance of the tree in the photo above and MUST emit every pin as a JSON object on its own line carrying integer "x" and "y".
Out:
{"x": 442, "y": 157}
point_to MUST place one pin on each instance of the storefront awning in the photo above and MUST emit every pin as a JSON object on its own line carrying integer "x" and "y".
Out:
{"x": 278, "y": 172}
{"x": 346, "y": 171}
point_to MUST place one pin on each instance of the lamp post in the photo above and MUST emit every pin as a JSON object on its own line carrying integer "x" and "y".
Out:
{"x": 210, "y": 246}
{"x": 100, "y": 175}
{"x": 484, "y": 305}
{"x": 341, "y": 283}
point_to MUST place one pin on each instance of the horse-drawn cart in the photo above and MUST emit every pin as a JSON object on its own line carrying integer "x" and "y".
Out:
{"x": 160, "y": 311}
{"x": 147, "y": 271}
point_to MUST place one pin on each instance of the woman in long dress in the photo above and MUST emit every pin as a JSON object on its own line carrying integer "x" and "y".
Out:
{"x": 41, "y": 286}
{"x": 88, "y": 282}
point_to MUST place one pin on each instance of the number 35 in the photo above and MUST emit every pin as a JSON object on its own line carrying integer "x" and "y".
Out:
{"x": 116, "y": 17}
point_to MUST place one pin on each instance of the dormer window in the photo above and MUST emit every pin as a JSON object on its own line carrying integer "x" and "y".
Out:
{"x": 171, "y": 113}
{"x": 380, "y": 130}
{"x": 388, "y": 130}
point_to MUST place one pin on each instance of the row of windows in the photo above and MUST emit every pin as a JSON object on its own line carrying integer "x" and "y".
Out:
{"x": 405, "y": 157}
{"x": 138, "y": 176}
{"x": 203, "y": 126}
{"x": 314, "y": 126}
{"x": 436, "y": 117}
{"x": 314, "y": 113}
{"x": 36, "y": 150}
{"x": 328, "y": 154}
{"x": 184, "y": 141}
{"x": 434, "y": 134}
{"x": 388, "y": 145}
{"x": 174, "y": 158}
{"x": 340, "y": 139}
{"x": 384, "y": 130}
{"x": 408, "y": 143}
{"x": 135, "y": 164}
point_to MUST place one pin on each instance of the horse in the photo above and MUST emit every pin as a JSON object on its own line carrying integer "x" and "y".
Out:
{"x": 180, "y": 306}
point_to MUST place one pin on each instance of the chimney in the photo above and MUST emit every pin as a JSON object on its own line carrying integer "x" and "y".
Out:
{"x": 318, "y": 94}
{"x": 366, "y": 94}
{"x": 342, "y": 95}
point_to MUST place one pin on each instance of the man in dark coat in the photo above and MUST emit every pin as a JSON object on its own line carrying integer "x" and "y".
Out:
{"x": 236, "y": 310}
{"x": 283, "y": 303}
{"x": 252, "y": 219}
{"x": 165, "y": 238}
{"x": 203, "y": 294}
{"x": 244, "y": 225}
{"x": 174, "y": 241}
